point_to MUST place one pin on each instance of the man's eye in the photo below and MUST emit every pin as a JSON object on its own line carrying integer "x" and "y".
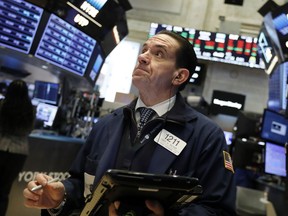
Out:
{"x": 159, "y": 54}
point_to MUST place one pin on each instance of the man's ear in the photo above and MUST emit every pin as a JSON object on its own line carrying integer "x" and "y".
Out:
{"x": 181, "y": 76}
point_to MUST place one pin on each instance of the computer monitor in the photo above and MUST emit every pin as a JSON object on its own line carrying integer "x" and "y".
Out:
{"x": 228, "y": 137}
{"x": 274, "y": 127}
{"x": 19, "y": 23}
{"x": 46, "y": 92}
{"x": 46, "y": 113}
{"x": 248, "y": 155}
{"x": 227, "y": 103}
{"x": 247, "y": 124}
{"x": 275, "y": 159}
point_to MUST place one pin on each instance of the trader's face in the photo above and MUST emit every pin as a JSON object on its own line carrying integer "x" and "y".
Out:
{"x": 156, "y": 66}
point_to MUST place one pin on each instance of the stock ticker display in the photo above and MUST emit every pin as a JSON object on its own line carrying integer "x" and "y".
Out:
{"x": 19, "y": 21}
{"x": 64, "y": 45}
{"x": 215, "y": 46}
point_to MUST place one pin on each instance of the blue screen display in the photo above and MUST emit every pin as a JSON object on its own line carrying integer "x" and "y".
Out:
{"x": 65, "y": 46}
{"x": 275, "y": 159}
{"x": 19, "y": 21}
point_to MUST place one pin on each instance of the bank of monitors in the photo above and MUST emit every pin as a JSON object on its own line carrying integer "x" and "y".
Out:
{"x": 46, "y": 92}
{"x": 217, "y": 46}
{"x": 275, "y": 159}
{"x": 274, "y": 127}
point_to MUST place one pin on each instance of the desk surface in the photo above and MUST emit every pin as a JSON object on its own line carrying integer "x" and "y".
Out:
{"x": 50, "y": 135}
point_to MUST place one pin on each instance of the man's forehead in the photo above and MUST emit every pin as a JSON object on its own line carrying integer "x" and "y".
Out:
{"x": 162, "y": 40}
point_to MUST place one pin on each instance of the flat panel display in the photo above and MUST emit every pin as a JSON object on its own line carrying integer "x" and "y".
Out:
{"x": 275, "y": 159}
{"x": 248, "y": 155}
{"x": 46, "y": 113}
{"x": 97, "y": 63}
{"x": 274, "y": 127}
{"x": 216, "y": 46}
{"x": 228, "y": 137}
{"x": 46, "y": 92}
{"x": 65, "y": 46}
{"x": 19, "y": 21}
{"x": 226, "y": 103}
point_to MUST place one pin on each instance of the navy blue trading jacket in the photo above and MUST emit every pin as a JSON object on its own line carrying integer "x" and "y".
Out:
{"x": 202, "y": 157}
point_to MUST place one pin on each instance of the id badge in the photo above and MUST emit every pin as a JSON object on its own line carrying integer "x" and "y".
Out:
{"x": 170, "y": 142}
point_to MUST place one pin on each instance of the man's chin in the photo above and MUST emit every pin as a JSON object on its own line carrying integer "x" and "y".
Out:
{"x": 139, "y": 81}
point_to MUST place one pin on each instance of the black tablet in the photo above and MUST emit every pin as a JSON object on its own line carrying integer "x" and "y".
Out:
{"x": 171, "y": 191}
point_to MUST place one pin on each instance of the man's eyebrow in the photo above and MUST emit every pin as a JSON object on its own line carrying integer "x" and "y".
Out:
{"x": 157, "y": 45}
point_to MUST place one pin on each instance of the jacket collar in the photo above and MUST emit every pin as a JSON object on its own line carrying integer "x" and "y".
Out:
{"x": 181, "y": 112}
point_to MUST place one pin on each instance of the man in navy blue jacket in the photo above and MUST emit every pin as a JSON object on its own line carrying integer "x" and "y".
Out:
{"x": 164, "y": 67}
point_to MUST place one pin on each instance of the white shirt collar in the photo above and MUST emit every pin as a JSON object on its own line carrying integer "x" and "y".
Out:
{"x": 160, "y": 108}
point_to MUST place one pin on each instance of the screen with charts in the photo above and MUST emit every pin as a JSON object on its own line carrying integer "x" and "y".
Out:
{"x": 275, "y": 159}
{"x": 46, "y": 113}
{"x": 65, "y": 46}
{"x": 274, "y": 127}
{"x": 216, "y": 46}
{"x": 19, "y": 21}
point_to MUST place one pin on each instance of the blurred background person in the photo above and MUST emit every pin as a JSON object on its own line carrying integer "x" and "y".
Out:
{"x": 17, "y": 116}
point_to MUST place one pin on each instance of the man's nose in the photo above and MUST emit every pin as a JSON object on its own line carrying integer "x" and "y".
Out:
{"x": 144, "y": 58}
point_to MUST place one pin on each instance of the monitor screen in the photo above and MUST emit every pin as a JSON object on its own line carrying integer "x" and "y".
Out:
{"x": 47, "y": 92}
{"x": 228, "y": 137}
{"x": 277, "y": 90}
{"x": 226, "y": 103}
{"x": 19, "y": 21}
{"x": 93, "y": 69}
{"x": 248, "y": 155}
{"x": 275, "y": 159}
{"x": 65, "y": 46}
{"x": 274, "y": 127}
{"x": 46, "y": 113}
{"x": 247, "y": 124}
